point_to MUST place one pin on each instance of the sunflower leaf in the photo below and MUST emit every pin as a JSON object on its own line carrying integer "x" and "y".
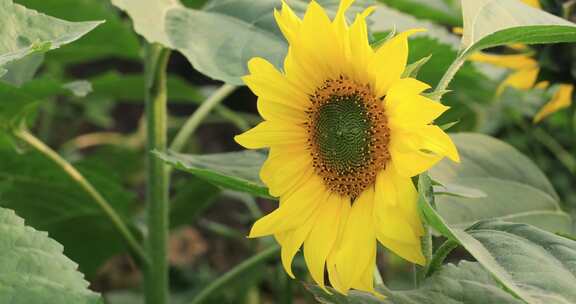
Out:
{"x": 24, "y": 32}
{"x": 466, "y": 283}
{"x": 434, "y": 10}
{"x": 220, "y": 38}
{"x": 234, "y": 170}
{"x": 34, "y": 269}
{"x": 515, "y": 188}
{"x": 490, "y": 23}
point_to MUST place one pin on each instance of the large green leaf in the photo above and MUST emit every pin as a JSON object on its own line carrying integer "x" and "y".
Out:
{"x": 530, "y": 263}
{"x": 489, "y": 23}
{"x": 538, "y": 266}
{"x": 49, "y": 200}
{"x": 219, "y": 39}
{"x": 465, "y": 283}
{"x": 516, "y": 189}
{"x": 24, "y": 31}
{"x": 114, "y": 38}
{"x": 235, "y": 170}
{"x": 14, "y": 105}
{"x": 33, "y": 268}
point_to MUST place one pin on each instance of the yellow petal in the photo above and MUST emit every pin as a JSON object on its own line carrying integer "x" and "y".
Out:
{"x": 515, "y": 62}
{"x": 412, "y": 252}
{"x": 270, "y": 133}
{"x": 533, "y": 3}
{"x": 267, "y": 82}
{"x": 321, "y": 240}
{"x": 407, "y": 159}
{"x": 286, "y": 168}
{"x": 389, "y": 61}
{"x": 521, "y": 80}
{"x": 292, "y": 240}
{"x": 561, "y": 99}
{"x": 358, "y": 244}
{"x": 276, "y": 111}
{"x": 360, "y": 51}
{"x": 294, "y": 209}
{"x": 320, "y": 43}
{"x": 366, "y": 280}
{"x": 287, "y": 21}
{"x": 436, "y": 140}
{"x": 405, "y": 107}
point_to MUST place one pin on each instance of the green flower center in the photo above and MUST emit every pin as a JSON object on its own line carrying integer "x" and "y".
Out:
{"x": 342, "y": 133}
{"x": 348, "y": 136}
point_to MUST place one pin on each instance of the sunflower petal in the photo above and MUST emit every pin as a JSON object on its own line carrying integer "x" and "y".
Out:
{"x": 294, "y": 210}
{"x": 522, "y": 80}
{"x": 412, "y": 252}
{"x": 390, "y": 60}
{"x": 269, "y": 133}
{"x": 357, "y": 243}
{"x": 561, "y": 100}
{"x": 321, "y": 240}
{"x": 406, "y": 108}
{"x": 292, "y": 240}
{"x": 287, "y": 21}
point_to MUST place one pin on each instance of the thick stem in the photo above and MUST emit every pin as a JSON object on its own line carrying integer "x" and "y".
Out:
{"x": 196, "y": 119}
{"x": 116, "y": 220}
{"x": 157, "y": 177}
{"x": 235, "y": 273}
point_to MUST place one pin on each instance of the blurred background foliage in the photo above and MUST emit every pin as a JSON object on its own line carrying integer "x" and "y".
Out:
{"x": 90, "y": 108}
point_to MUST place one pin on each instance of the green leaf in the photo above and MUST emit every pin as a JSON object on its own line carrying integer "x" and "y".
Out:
{"x": 538, "y": 266}
{"x": 14, "y": 107}
{"x": 23, "y": 70}
{"x": 434, "y": 10}
{"x": 235, "y": 170}
{"x": 515, "y": 188}
{"x": 34, "y": 269}
{"x": 114, "y": 38}
{"x": 24, "y": 31}
{"x": 58, "y": 205}
{"x": 219, "y": 39}
{"x": 490, "y": 23}
{"x": 466, "y": 283}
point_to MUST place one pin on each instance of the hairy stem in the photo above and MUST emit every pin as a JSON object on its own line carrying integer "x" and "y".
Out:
{"x": 156, "y": 275}
{"x": 448, "y": 76}
{"x": 24, "y": 135}
{"x": 196, "y": 119}
{"x": 439, "y": 256}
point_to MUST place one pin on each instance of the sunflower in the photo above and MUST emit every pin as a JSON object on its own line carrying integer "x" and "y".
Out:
{"x": 346, "y": 133}
{"x": 525, "y": 74}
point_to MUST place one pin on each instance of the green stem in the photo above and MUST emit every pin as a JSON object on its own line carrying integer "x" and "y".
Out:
{"x": 439, "y": 256}
{"x": 196, "y": 119}
{"x": 24, "y": 135}
{"x": 235, "y": 272}
{"x": 555, "y": 147}
{"x": 156, "y": 275}
{"x": 427, "y": 246}
{"x": 448, "y": 76}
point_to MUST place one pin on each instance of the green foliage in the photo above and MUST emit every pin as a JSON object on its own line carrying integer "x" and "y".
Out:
{"x": 24, "y": 31}
{"x": 33, "y": 268}
{"x": 463, "y": 283}
{"x": 236, "y": 170}
{"x": 59, "y": 206}
{"x": 436, "y": 10}
{"x": 490, "y": 23}
{"x": 515, "y": 188}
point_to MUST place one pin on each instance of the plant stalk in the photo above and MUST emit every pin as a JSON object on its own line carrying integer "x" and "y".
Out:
{"x": 449, "y": 76}
{"x": 156, "y": 275}
{"x": 24, "y": 135}
{"x": 439, "y": 256}
{"x": 235, "y": 273}
{"x": 196, "y": 119}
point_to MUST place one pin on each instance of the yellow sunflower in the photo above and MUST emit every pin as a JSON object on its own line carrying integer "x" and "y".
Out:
{"x": 346, "y": 133}
{"x": 525, "y": 73}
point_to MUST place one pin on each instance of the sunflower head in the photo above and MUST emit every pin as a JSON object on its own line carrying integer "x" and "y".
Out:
{"x": 346, "y": 133}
